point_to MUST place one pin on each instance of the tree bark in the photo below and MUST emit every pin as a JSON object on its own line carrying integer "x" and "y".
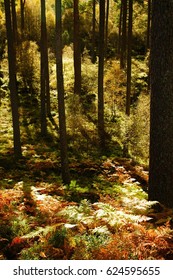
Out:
{"x": 22, "y": 15}
{"x": 14, "y": 21}
{"x": 124, "y": 35}
{"x": 93, "y": 52}
{"x": 61, "y": 103}
{"x": 77, "y": 50}
{"x": 148, "y": 24}
{"x": 101, "y": 130}
{"x": 129, "y": 57}
{"x": 106, "y": 27}
{"x": 120, "y": 29}
{"x": 43, "y": 70}
{"x": 161, "y": 129}
{"x": 12, "y": 80}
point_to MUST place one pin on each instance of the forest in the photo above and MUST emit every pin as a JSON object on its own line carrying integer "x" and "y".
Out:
{"x": 86, "y": 129}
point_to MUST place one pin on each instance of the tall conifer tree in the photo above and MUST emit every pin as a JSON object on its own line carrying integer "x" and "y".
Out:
{"x": 161, "y": 131}
{"x": 12, "y": 79}
{"x": 61, "y": 103}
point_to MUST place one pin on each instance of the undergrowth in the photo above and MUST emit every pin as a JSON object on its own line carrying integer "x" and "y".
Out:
{"x": 38, "y": 222}
{"x": 104, "y": 212}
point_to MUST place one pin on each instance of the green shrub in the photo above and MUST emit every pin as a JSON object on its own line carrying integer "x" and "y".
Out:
{"x": 139, "y": 130}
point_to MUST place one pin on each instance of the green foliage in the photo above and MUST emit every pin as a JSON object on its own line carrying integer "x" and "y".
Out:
{"x": 20, "y": 226}
{"x": 83, "y": 212}
{"x": 3, "y": 34}
{"x": 139, "y": 131}
{"x": 58, "y": 237}
{"x": 28, "y": 65}
{"x": 91, "y": 242}
{"x": 139, "y": 77}
{"x": 103, "y": 213}
{"x": 32, "y": 20}
{"x": 32, "y": 253}
{"x": 139, "y": 28}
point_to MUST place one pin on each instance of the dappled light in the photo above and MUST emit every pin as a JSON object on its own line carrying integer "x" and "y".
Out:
{"x": 75, "y": 134}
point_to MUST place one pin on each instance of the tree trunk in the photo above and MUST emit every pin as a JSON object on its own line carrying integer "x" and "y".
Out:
{"x": 93, "y": 52}
{"x": 148, "y": 24}
{"x": 14, "y": 21}
{"x": 22, "y": 15}
{"x": 129, "y": 58}
{"x": 161, "y": 130}
{"x": 106, "y": 27}
{"x": 77, "y": 50}
{"x": 124, "y": 35}
{"x": 12, "y": 80}
{"x": 61, "y": 103}
{"x": 101, "y": 131}
{"x": 43, "y": 70}
{"x": 120, "y": 29}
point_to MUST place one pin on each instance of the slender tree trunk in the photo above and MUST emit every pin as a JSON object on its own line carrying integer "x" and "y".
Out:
{"x": 43, "y": 70}
{"x": 120, "y": 29}
{"x": 14, "y": 21}
{"x": 124, "y": 35}
{"x": 93, "y": 54}
{"x": 148, "y": 38}
{"x": 12, "y": 80}
{"x": 22, "y": 15}
{"x": 61, "y": 103}
{"x": 48, "y": 105}
{"x": 161, "y": 127}
{"x": 148, "y": 24}
{"x": 101, "y": 131}
{"x": 77, "y": 50}
{"x": 106, "y": 26}
{"x": 129, "y": 57}
{"x": 46, "y": 62}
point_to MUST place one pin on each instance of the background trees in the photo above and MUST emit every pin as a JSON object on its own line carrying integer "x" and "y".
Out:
{"x": 108, "y": 88}
{"x": 96, "y": 148}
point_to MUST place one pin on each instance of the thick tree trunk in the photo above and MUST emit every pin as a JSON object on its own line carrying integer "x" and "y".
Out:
{"x": 161, "y": 131}
{"x": 61, "y": 103}
{"x": 12, "y": 80}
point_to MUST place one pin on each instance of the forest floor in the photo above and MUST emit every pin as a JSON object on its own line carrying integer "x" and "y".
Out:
{"x": 103, "y": 214}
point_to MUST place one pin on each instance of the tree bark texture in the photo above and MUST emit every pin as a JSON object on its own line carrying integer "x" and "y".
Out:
{"x": 161, "y": 130}
{"x": 129, "y": 57}
{"x": 43, "y": 70}
{"x": 22, "y": 15}
{"x": 77, "y": 49}
{"x": 61, "y": 103}
{"x": 93, "y": 52}
{"x": 12, "y": 80}
{"x": 101, "y": 131}
{"x": 106, "y": 27}
{"x": 123, "y": 35}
